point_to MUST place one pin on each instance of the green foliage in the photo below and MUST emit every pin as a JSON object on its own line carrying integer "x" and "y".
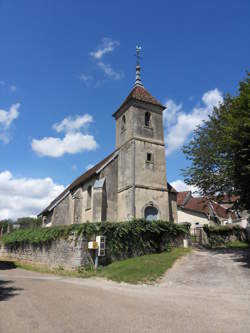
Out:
{"x": 224, "y": 235}
{"x": 4, "y": 225}
{"x": 146, "y": 268}
{"x": 220, "y": 149}
{"x": 29, "y": 222}
{"x": 124, "y": 239}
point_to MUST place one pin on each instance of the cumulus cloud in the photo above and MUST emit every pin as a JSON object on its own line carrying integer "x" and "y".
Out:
{"x": 6, "y": 119}
{"x": 180, "y": 124}
{"x": 21, "y": 197}
{"x": 72, "y": 143}
{"x": 170, "y": 113}
{"x": 75, "y": 140}
{"x": 108, "y": 71}
{"x": 180, "y": 186}
{"x": 72, "y": 124}
{"x": 107, "y": 46}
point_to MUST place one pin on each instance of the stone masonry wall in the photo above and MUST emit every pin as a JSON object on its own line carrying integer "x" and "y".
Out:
{"x": 69, "y": 253}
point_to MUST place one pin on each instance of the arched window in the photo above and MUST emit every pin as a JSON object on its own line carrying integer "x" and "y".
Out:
{"x": 89, "y": 196}
{"x": 147, "y": 119}
{"x": 151, "y": 213}
{"x": 123, "y": 127}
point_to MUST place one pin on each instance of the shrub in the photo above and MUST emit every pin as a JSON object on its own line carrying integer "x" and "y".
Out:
{"x": 221, "y": 235}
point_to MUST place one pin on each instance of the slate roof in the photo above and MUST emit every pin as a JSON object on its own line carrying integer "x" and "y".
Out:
{"x": 139, "y": 93}
{"x": 78, "y": 181}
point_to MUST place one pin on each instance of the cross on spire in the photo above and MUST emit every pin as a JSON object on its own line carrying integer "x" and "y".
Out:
{"x": 138, "y": 67}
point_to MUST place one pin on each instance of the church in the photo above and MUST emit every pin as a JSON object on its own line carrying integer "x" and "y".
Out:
{"x": 131, "y": 182}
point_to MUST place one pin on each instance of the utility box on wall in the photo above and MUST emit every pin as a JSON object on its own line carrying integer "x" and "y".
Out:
{"x": 101, "y": 240}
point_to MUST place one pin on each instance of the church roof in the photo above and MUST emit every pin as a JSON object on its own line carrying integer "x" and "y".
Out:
{"x": 77, "y": 182}
{"x": 139, "y": 93}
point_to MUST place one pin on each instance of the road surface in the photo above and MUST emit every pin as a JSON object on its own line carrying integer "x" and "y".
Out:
{"x": 206, "y": 291}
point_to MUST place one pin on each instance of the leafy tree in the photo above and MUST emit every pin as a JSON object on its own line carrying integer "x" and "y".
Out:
{"x": 29, "y": 222}
{"x": 220, "y": 149}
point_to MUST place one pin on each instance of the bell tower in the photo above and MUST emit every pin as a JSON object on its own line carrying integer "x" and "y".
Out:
{"x": 142, "y": 183}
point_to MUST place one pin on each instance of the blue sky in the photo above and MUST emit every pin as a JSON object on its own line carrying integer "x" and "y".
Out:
{"x": 63, "y": 59}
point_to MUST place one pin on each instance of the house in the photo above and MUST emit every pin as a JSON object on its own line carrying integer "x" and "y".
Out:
{"x": 129, "y": 183}
{"x": 200, "y": 211}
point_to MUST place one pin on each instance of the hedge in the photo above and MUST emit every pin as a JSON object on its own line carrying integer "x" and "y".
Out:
{"x": 221, "y": 235}
{"x": 124, "y": 239}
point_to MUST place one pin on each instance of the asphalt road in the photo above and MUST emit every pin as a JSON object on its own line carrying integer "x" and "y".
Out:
{"x": 203, "y": 292}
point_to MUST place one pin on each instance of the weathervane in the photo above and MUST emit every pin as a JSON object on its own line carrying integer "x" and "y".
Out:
{"x": 138, "y": 57}
{"x": 138, "y": 67}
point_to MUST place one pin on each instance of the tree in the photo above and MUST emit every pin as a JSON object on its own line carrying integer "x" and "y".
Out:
{"x": 220, "y": 149}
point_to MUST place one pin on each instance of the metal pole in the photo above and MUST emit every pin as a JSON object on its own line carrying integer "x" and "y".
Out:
{"x": 96, "y": 259}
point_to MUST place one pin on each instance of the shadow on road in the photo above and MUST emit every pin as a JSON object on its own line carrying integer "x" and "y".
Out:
{"x": 7, "y": 291}
{"x": 7, "y": 265}
{"x": 238, "y": 255}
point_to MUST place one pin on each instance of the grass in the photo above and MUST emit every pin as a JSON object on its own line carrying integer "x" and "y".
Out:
{"x": 144, "y": 269}
{"x": 237, "y": 245}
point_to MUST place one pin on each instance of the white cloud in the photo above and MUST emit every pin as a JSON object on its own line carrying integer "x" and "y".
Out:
{"x": 72, "y": 143}
{"x": 87, "y": 79}
{"x": 6, "y": 119}
{"x": 170, "y": 113}
{"x": 182, "y": 124}
{"x": 13, "y": 88}
{"x": 72, "y": 124}
{"x": 21, "y": 197}
{"x": 107, "y": 45}
{"x": 180, "y": 186}
{"x": 109, "y": 72}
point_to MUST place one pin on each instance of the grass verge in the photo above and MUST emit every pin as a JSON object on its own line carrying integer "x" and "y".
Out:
{"x": 237, "y": 245}
{"x": 144, "y": 269}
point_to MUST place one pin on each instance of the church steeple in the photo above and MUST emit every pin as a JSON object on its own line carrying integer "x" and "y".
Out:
{"x": 138, "y": 81}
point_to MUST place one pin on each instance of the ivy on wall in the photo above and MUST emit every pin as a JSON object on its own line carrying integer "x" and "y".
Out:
{"x": 124, "y": 239}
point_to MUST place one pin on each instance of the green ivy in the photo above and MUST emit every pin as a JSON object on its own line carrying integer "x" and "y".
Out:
{"x": 124, "y": 239}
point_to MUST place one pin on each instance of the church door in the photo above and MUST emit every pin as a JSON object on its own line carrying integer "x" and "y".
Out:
{"x": 151, "y": 213}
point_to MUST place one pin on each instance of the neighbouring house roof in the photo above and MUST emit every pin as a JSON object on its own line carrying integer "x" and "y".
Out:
{"x": 181, "y": 197}
{"x": 78, "y": 181}
{"x": 202, "y": 205}
{"x": 139, "y": 93}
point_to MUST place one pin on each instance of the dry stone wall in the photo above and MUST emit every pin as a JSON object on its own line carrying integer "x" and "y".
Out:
{"x": 70, "y": 253}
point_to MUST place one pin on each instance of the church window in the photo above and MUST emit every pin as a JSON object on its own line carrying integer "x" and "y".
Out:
{"x": 147, "y": 119}
{"x": 123, "y": 127}
{"x": 151, "y": 213}
{"x": 89, "y": 196}
{"x": 149, "y": 157}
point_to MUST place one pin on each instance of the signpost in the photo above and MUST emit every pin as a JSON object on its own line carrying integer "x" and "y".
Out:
{"x": 99, "y": 246}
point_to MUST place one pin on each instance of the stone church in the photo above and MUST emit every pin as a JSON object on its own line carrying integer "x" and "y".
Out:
{"x": 131, "y": 182}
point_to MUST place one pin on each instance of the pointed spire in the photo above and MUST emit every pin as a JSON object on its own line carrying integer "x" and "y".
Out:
{"x": 138, "y": 81}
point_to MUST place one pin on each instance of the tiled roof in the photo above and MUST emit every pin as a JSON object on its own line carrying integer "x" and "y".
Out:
{"x": 78, "y": 181}
{"x": 201, "y": 205}
{"x": 139, "y": 93}
{"x": 181, "y": 196}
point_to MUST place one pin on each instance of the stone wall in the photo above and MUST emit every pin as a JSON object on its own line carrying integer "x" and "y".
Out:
{"x": 69, "y": 253}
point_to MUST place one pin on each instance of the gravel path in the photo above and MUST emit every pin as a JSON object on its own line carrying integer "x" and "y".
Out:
{"x": 206, "y": 291}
